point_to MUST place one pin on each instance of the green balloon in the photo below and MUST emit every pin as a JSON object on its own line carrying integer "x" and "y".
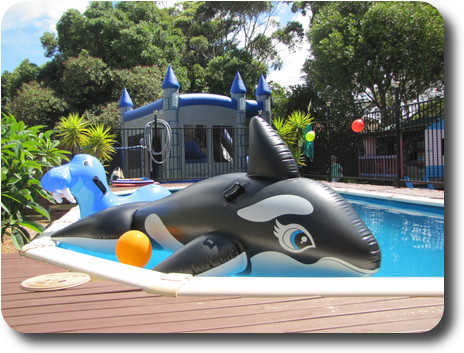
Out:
{"x": 310, "y": 136}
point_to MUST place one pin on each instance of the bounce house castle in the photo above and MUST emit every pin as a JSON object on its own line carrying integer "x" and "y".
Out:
{"x": 202, "y": 134}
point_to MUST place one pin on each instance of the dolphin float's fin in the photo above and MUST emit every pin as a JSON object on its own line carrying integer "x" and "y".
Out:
{"x": 269, "y": 156}
{"x": 212, "y": 254}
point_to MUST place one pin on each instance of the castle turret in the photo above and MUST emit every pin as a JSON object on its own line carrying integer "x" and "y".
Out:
{"x": 170, "y": 90}
{"x": 170, "y": 114}
{"x": 238, "y": 92}
{"x": 263, "y": 94}
{"x": 125, "y": 104}
{"x": 238, "y": 88}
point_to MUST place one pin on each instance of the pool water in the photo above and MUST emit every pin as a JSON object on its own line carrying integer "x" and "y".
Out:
{"x": 411, "y": 237}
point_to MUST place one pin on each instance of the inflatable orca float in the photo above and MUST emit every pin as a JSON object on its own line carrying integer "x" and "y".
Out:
{"x": 84, "y": 179}
{"x": 268, "y": 219}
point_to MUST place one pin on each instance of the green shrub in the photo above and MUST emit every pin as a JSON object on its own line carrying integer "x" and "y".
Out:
{"x": 292, "y": 130}
{"x": 79, "y": 136}
{"x": 27, "y": 153}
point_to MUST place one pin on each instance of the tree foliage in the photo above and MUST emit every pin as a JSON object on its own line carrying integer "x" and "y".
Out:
{"x": 112, "y": 45}
{"x": 86, "y": 81}
{"x": 35, "y": 104}
{"x": 360, "y": 47}
{"x": 356, "y": 49}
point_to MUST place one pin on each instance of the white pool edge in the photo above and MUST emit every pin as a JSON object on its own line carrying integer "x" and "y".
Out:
{"x": 426, "y": 201}
{"x": 45, "y": 250}
{"x": 186, "y": 285}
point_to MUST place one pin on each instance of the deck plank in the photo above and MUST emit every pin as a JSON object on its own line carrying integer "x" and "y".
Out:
{"x": 110, "y": 307}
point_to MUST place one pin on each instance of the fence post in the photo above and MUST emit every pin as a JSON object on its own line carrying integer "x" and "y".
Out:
{"x": 398, "y": 133}
{"x": 329, "y": 154}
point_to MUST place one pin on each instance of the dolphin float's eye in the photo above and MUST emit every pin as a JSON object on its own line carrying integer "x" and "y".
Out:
{"x": 293, "y": 237}
{"x": 87, "y": 163}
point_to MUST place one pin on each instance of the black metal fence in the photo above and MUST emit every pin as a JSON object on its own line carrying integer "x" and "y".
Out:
{"x": 398, "y": 146}
{"x": 192, "y": 154}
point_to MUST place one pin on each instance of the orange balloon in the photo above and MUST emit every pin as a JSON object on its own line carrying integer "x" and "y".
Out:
{"x": 134, "y": 248}
{"x": 357, "y": 125}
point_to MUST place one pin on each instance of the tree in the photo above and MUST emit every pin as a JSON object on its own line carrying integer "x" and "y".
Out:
{"x": 221, "y": 71}
{"x": 358, "y": 48}
{"x": 35, "y": 104}
{"x": 123, "y": 35}
{"x": 86, "y": 82}
{"x": 223, "y": 36}
{"x": 130, "y": 44}
{"x": 24, "y": 73}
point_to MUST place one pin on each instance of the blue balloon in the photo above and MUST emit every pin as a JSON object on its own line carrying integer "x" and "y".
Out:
{"x": 84, "y": 180}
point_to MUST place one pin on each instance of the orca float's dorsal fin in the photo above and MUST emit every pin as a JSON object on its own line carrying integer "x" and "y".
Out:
{"x": 269, "y": 156}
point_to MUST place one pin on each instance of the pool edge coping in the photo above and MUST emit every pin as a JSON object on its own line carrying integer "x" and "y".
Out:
{"x": 392, "y": 197}
{"x": 422, "y": 200}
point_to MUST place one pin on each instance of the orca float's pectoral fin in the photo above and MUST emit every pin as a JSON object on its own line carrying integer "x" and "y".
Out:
{"x": 212, "y": 254}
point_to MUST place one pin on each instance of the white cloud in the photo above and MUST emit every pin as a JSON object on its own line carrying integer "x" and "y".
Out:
{"x": 293, "y": 61}
{"x": 42, "y": 15}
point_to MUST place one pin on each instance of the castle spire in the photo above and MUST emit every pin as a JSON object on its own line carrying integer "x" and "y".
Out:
{"x": 263, "y": 95}
{"x": 170, "y": 80}
{"x": 238, "y": 87}
{"x": 125, "y": 101}
{"x": 125, "y": 104}
{"x": 263, "y": 88}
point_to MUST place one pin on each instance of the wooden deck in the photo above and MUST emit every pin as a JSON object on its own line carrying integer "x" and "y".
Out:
{"x": 109, "y": 307}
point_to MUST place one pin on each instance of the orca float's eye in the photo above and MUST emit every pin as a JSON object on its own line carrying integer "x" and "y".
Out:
{"x": 299, "y": 239}
{"x": 293, "y": 237}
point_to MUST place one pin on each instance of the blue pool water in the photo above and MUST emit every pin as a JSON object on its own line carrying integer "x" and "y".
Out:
{"x": 411, "y": 237}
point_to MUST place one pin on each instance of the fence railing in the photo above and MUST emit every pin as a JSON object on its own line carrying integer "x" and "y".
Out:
{"x": 194, "y": 153}
{"x": 396, "y": 146}
{"x": 377, "y": 154}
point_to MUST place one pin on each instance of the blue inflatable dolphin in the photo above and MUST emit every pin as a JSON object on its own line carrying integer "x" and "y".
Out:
{"x": 83, "y": 180}
{"x": 268, "y": 221}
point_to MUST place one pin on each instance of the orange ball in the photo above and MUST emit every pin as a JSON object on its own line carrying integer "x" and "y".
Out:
{"x": 134, "y": 248}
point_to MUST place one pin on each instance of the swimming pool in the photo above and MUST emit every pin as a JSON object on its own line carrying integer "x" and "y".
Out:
{"x": 411, "y": 238}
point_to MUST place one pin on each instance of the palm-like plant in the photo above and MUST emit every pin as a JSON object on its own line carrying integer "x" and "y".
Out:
{"x": 72, "y": 131}
{"x": 292, "y": 131}
{"x": 99, "y": 142}
{"x": 80, "y": 136}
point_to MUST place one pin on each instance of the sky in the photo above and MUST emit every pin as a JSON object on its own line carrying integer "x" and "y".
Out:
{"x": 24, "y": 22}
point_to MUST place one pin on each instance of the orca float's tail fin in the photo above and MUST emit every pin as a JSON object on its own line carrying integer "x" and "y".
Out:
{"x": 108, "y": 224}
{"x": 270, "y": 157}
